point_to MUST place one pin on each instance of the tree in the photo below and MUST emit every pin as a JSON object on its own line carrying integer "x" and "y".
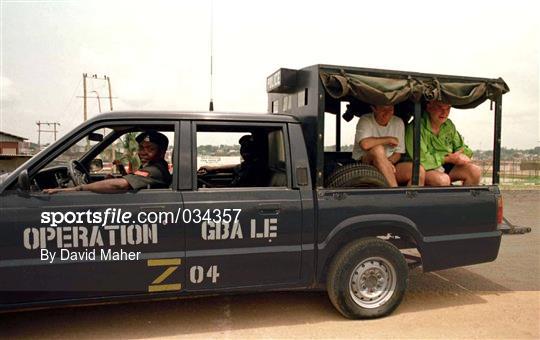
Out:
{"x": 130, "y": 147}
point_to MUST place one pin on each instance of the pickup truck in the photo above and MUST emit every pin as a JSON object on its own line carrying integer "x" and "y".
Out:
{"x": 203, "y": 235}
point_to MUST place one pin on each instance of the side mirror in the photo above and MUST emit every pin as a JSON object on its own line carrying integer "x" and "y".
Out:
{"x": 23, "y": 182}
{"x": 95, "y": 137}
{"x": 96, "y": 165}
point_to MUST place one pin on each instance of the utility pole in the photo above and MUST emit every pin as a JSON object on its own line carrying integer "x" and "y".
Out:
{"x": 98, "y": 101}
{"x": 54, "y": 130}
{"x": 85, "y": 107}
{"x": 113, "y": 154}
{"x": 85, "y": 102}
{"x": 85, "y": 91}
{"x": 110, "y": 92}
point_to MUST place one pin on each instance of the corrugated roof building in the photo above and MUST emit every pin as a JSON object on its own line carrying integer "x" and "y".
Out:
{"x": 10, "y": 151}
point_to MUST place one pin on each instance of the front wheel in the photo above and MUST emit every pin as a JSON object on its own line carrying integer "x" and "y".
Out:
{"x": 367, "y": 279}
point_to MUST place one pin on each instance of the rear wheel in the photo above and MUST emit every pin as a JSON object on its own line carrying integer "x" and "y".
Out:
{"x": 367, "y": 279}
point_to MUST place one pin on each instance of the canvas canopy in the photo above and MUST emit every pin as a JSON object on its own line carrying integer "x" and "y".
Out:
{"x": 373, "y": 90}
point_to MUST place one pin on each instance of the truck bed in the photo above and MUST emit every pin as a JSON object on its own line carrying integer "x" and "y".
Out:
{"x": 450, "y": 226}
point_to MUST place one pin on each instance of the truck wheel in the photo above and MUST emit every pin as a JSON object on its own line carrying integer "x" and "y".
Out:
{"x": 356, "y": 175}
{"x": 367, "y": 279}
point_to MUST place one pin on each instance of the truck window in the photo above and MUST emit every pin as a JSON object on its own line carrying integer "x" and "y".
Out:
{"x": 107, "y": 152}
{"x": 240, "y": 157}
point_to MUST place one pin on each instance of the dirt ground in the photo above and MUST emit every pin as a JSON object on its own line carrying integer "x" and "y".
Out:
{"x": 494, "y": 300}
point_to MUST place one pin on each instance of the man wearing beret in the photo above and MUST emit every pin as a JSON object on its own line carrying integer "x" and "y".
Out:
{"x": 251, "y": 172}
{"x": 153, "y": 172}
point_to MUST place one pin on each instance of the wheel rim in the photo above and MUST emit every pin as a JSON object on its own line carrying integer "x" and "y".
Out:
{"x": 372, "y": 282}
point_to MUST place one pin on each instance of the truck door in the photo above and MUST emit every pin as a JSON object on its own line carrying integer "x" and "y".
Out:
{"x": 93, "y": 256}
{"x": 243, "y": 219}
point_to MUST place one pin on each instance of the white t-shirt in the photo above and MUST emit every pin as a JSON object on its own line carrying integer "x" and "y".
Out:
{"x": 368, "y": 127}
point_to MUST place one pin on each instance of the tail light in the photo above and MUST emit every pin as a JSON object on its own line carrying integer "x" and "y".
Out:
{"x": 499, "y": 209}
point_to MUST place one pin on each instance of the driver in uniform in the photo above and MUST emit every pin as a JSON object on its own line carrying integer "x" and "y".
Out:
{"x": 152, "y": 174}
{"x": 253, "y": 169}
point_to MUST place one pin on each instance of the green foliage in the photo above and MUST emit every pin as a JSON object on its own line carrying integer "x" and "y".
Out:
{"x": 218, "y": 150}
{"x": 508, "y": 154}
{"x": 130, "y": 147}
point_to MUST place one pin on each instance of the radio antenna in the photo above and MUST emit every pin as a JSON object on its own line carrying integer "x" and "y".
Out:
{"x": 211, "y": 55}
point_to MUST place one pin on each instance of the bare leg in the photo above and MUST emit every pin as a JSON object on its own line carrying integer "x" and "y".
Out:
{"x": 404, "y": 173}
{"x": 469, "y": 173}
{"x": 437, "y": 178}
{"x": 377, "y": 157}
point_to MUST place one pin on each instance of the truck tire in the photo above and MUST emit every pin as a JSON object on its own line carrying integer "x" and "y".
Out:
{"x": 367, "y": 279}
{"x": 356, "y": 175}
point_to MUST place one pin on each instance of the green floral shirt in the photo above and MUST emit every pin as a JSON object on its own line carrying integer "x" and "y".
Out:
{"x": 433, "y": 148}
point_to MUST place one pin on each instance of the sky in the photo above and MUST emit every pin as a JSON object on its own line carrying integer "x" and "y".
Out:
{"x": 157, "y": 55}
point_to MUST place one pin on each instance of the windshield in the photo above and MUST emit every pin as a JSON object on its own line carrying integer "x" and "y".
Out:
{"x": 79, "y": 149}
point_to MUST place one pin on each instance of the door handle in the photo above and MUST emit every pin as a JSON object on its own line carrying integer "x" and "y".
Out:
{"x": 269, "y": 208}
{"x": 339, "y": 196}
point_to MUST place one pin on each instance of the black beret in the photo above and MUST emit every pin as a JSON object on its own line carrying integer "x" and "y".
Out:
{"x": 248, "y": 144}
{"x": 154, "y": 137}
{"x": 246, "y": 139}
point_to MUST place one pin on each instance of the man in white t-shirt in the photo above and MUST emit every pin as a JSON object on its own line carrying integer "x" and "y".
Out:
{"x": 380, "y": 141}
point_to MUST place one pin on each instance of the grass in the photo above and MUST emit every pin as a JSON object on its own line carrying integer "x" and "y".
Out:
{"x": 519, "y": 186}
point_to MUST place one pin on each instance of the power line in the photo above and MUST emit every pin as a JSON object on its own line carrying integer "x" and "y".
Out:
{"x": 68, "y": 117}
{"x": 54, "y": 131}
{"x": 71, "y": 98}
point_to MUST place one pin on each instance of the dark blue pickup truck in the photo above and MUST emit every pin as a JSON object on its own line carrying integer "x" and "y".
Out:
{"x": 210, "y": 233}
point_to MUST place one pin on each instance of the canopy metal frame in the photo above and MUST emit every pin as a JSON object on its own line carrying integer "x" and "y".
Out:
{"x": 308, "y": 82}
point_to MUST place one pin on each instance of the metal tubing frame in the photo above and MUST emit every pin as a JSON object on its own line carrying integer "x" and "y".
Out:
{"x": 416, "y": 144}
{"x": 497, "y": 141}
{"x": 338, "y": 132}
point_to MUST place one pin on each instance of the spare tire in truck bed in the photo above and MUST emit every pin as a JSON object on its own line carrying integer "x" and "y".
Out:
{"x": 356, "y": 175}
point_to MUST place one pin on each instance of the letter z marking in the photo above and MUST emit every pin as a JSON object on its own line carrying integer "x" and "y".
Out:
{"x": 172, "y": 265}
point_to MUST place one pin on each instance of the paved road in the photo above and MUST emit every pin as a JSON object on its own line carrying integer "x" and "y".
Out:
{"x": 494, "y": 300}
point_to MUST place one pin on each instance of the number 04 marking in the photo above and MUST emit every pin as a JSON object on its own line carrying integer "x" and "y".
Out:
{"x": 196, "y": 274}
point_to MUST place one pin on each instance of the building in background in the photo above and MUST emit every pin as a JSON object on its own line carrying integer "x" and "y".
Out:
{"x": 14, "y": 151}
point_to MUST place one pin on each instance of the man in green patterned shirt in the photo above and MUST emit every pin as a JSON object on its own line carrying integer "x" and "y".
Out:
{"x": 443, "y": 153}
